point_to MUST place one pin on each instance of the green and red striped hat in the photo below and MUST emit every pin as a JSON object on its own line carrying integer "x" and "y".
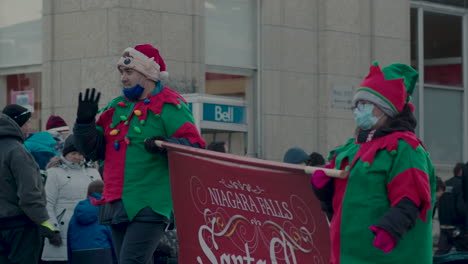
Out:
{"x": 390, "y": 88}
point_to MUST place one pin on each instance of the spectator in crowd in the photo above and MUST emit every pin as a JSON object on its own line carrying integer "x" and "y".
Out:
{"x": 440, "y": 188}
{"x": 382, "y": 210}
{"x": 59, "y": 130}
{"x": 218, "y": 146}
{"x": 315, "y": 160}
{"x": 137, "y": 200}
{"x": 42, "y": 147}
{"x": 452, "y": 215}
{"x": 296, "y": 156}
{"x": 68, "y": 178}
{"x": 88, "y": 241}
{"x": 23, "y": 213}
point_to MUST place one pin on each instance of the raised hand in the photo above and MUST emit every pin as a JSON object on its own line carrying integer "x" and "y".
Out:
{"x": 87, "y": 106}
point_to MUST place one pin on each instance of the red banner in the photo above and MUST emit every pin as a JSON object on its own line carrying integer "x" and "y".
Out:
{"x": 232, "y": 209}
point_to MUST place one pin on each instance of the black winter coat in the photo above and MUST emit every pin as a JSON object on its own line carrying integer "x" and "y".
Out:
{"x": 451, "y": 204}
{"x": 22, "y": 194}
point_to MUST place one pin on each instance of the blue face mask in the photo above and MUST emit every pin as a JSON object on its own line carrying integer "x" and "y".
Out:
{"x": 134, "y": 93}
{"x": 364, "y": 117}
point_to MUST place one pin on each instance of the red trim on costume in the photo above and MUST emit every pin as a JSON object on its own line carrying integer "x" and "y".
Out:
{"x": 114, "y": 168}
{"x": 157, "y": 101}
{"x": 413, "y": 184}
{"x": 165, "y": 96}
{"x": 368, "y": 150}
{"x": 190, "y": 132}
{"x": 335, "y": 225}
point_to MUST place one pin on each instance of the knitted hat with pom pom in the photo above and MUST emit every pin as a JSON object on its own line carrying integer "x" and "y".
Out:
{"x": 390, "y": 88}
{"x": 56, "y": 124}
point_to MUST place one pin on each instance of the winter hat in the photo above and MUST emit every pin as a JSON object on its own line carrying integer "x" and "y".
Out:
{"x": 18, "y": 113}
{"x": 316, "y": 159}
{"x": 145, "y": 59}
{"x": 295, "y": 156}
{"x": 390, "y": 88}
{"x": 56, "y": 124}
{"x": 217, "y": 146}
{"x": 69, "y": 145}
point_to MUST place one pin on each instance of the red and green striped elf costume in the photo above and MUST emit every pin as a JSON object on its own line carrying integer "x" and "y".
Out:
{"x": 131, "y": 174}
{"x": 391, "y": 182}
{"x": 126, "y": 125}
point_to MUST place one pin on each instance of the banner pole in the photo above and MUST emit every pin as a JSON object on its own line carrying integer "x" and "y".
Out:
{"x": 308, "y": 169}
{"x": 330, "y": 172}
{"x": 159, "y": 143}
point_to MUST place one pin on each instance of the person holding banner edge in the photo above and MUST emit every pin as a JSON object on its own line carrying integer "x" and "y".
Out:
{"x": 381, "y": 213}
{"x": 137, "y": 200}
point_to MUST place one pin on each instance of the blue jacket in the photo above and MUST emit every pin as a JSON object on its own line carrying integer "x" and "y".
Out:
{"x": 84, "y": 230}
{"x": 42, "y": 146}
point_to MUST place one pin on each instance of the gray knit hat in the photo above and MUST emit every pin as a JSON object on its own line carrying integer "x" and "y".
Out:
{"x": 381, "y": 104}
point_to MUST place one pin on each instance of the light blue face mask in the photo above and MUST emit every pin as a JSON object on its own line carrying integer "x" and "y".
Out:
{"x": 364, "y": 117}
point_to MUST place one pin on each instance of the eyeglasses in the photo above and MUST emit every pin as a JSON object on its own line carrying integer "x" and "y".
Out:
{"x": 360, "y": 103}
{"x": 24, "y": 113}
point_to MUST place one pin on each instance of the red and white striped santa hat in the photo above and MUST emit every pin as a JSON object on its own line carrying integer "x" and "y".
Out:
{"x": 145, "y": 59}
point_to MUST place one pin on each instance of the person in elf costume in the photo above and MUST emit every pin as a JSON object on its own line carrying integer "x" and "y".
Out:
{"x": 136, "y": 201}
{"x": 382, "y": 210}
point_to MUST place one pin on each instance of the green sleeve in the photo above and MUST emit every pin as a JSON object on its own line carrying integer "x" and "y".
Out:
{"x": 406, "y": 157}
{"x": 174, "y": 118}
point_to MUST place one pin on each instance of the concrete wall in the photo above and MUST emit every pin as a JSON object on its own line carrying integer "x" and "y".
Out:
{"x": 83, "y": 40}
{"x": 290, "y": 76}
{"x": 308, "y": 47}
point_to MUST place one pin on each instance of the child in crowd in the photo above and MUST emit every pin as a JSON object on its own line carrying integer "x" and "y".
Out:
{"x": 89, "y": 241}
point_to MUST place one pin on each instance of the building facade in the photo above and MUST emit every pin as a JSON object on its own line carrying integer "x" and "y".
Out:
{"x": 294, "y": 64}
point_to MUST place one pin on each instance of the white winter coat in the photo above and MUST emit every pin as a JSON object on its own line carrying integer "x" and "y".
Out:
{"x": 66, "y": 185}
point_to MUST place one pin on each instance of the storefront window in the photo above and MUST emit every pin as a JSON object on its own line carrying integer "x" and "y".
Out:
{"x": 414, "y": 37}
{"x": 443, "y": 72}
{"x": 458, "y": 3}
{"x": 227, "y": 84}
{"x": 230, "y": 55}
{"x": 230, "y": 27}
{"x": 443, "y": 126}
{"x": 20, "y": 32}
{"x": 21, "y": 55}
{"x": 440, "y": 103}
{"x": 25, "y": 90}
{"x": 442, "y": 49}
{"x": 234, "y": 85}
{"x": 414, "y": 57}
{"x": 234, "y": 141}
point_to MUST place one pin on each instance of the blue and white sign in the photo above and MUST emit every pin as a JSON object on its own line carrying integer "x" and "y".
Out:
{"x": 218, "y": 112}
{"x": 224, "y": 113}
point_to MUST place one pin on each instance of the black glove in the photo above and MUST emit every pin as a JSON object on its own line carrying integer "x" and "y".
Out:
{"x": 151, "y": 146}
{"x": 87, "y": 107}
{"x": 54, "y": 237}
